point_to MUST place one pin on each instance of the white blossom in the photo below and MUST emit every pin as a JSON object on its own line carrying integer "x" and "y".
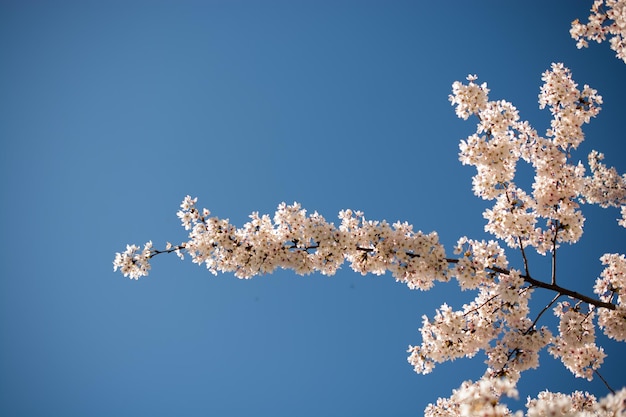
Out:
{"x": 132, "y": 262}
{"x": 607, "y": 18}
{"x": 575, "y": 345}
{"x": 611, "y": 286}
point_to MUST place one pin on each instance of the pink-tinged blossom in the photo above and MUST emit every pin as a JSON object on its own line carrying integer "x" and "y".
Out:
{"x": 469, "y": 99}
{"x": 605, "y": 186}
{"x": 480, "y": 398}
{"x": 502, "y": 139}
{"x": 607, "y": 18}
{"x": 576, "y": 345}
{"x": 611, "y": 287}
{"x": 132, "y": 262}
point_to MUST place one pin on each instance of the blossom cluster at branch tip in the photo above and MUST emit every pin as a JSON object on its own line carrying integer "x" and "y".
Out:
{"x": 308, "y": 243}
{"x": 502, "y": 140}
{"x": 607, "y": 18}
{"x": 611, "y": 287}
{"x": 134, "y": 263}
{"x": 605, "y": 186}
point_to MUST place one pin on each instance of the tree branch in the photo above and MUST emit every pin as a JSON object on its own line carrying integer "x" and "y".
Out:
{"x": 556, "y": 297}
{"x": 552, "y": 287}
{"x": 527, "y": 278}
{"x": 521, "y": 246}
{"x": 155, "y": 252}
{"x": 556, "y": 232}
{"x": 604, "y": 380}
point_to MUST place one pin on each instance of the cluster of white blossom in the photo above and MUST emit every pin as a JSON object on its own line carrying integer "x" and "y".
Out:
{"x": 576, "y": 344}
{"x": 605, "y": 186}
{"x": 578, "y": 404}
{"x": 482, "y": 398}
{"x": 502, "y": 139}
{"x": 472, "y": 269}
{"x": 500, "y": 142}
{"x": 303, "y": 243}
{"x": 558, "y": 404}
{"x": 611, "y": 287}
{"x": 498, "y": 320}
{"x": 608, "y": 17}
{"x": 569, "y": 106}
{"x": 134, "y": 263}
{"x": 469, "y": 97}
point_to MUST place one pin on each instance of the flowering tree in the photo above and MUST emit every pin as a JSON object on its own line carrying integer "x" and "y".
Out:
{"x": 499, "y": 321}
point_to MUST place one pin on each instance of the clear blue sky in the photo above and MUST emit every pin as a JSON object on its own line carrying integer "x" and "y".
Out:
{"x": 112, "y": 111}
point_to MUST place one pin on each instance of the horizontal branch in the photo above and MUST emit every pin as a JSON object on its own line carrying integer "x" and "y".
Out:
{"x": 553, "y": 287}
{"x": 527, "y": 278}
{"x": 155, "y": 252}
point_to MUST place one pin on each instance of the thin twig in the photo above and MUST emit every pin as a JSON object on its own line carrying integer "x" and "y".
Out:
{"x": 556, "y": 297}
{"x": 155, "y": 252}
{"x": 521, "y": 246}
{"x": 595, "y": 371}
{"x": 556, "y": 232}
{"x": 490, "y": 299}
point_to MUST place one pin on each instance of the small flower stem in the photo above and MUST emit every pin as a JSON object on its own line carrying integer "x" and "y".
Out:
{"x": 155, "y": 252}
{"x": 521, "y": 246}
{"x": 595, "y": 371}
{"x": 556, "y": 231}
{"x": 556, "y": 297}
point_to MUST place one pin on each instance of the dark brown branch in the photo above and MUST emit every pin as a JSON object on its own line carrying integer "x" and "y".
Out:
{"x": 519, "y": 238}
{"x": 154, "y": 252}
{"x": 552, "y": 287}
{"x": 306, "y": 248}
{"x": 604, "y": 380}
{"x": 535, "y": 283}
{"x": 521, "y": 246}
{"x": 532, "y": 326}
{"x": 556, "y": 232}
{"x": 490, "y": 299}
{"x": 527, "y": 278}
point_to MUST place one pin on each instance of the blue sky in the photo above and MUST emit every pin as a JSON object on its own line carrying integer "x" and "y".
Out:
{"x": 111, "y": 112}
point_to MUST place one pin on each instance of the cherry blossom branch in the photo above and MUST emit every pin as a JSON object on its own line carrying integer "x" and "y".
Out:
{"x": 475, "y": 309}
{"x": 553, "y": 287}
{"x": 556, "y": 288}
{"x": 306, "y": 243}
{"x": 519, "y": 238}
{"x": 155, "y": 252}
{"x": 527, "y": 278}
